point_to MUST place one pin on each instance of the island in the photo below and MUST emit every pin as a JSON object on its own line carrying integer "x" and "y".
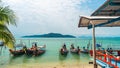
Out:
{"x": 49, "y": 35}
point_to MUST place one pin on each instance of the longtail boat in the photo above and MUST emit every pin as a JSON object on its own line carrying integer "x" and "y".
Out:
{"x": 75, "y": 51}
{"x": 35, "y": 52}
{"x": 17, "y": 52}
{"x": 63, "y": 52}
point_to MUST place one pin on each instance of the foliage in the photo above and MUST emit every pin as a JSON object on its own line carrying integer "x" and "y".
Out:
{"x": 7, "y": 17}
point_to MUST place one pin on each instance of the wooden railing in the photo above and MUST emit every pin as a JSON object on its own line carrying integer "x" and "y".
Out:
{"x": 107, "y": 58}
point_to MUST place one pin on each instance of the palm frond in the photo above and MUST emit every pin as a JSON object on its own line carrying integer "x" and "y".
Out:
{"x": 7, "y": 38}
{"x": 5, "y": 28}
{"x": 7, "y": 16}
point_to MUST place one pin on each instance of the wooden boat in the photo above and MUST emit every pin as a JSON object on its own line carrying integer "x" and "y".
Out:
{"x": 74, "y": 51}
{"x": 85, "y": 52}
{"x": 63, "y": 52}
{"x": 17, "y": 52}
{"x": 40, "y": 50}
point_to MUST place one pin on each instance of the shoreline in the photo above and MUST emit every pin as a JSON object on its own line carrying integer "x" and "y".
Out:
{"x": 51, "y": 66}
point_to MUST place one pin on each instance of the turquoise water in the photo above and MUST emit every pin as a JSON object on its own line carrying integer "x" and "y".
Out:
{"x": 52, "y": 51}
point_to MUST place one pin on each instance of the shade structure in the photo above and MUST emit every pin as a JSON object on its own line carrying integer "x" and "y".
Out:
{"x": 108, "y": 15}
{"x": 109, "y": 8}
{"x": 99, "y": 21}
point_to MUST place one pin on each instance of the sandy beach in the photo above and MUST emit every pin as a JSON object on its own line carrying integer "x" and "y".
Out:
{"x": 51, "y": 66}
{"x": 54, "y": 66}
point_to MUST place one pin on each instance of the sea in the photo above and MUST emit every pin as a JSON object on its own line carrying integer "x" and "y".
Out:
{"x": 52, "y": 55}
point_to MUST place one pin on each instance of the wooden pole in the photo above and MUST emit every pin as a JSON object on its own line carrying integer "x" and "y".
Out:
{"x": 94, "y": 46}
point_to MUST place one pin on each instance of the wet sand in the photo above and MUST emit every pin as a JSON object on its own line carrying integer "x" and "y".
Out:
{"x": 51, "y": 66}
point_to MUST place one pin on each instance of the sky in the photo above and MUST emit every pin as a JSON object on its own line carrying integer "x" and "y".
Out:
{"x": 36, "y": 17}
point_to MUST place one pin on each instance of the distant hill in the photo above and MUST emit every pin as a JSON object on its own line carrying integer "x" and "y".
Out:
{"x": 49, "y": 35}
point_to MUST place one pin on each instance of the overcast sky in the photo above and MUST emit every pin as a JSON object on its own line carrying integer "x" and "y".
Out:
{"x": 58, "y": 16}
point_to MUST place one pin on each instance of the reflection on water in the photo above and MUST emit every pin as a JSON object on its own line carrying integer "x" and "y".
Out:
{"x": 62, "y": 57}
{"x": 76, "y": 56}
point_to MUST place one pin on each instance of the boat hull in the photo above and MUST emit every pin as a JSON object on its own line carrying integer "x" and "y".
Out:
{"x": 34, "y": 53}
{"x": 74, "y": 52}
{"x": 64, "y": 52}
{"x": 17, "y": 53}
{"x": 85, "y": 52}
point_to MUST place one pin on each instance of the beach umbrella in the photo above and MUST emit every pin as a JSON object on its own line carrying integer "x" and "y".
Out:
{"x": 107, "y": 15}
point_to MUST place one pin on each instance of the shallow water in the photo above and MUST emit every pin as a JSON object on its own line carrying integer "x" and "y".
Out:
{"x": 52, "y": 55}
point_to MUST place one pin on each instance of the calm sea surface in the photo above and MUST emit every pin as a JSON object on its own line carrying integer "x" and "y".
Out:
{"x": 52, "y": 51}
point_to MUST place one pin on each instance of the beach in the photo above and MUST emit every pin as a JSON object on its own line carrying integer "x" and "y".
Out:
{"x": 52, "y": 66}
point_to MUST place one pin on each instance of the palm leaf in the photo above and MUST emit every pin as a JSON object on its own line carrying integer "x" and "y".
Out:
{"x": 7, "y": 38}
{"x": 4, "y": 27}
{"x": 7, "y": 16}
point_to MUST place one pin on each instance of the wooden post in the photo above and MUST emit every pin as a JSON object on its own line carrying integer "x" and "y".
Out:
{"x": 94, "y": 46}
